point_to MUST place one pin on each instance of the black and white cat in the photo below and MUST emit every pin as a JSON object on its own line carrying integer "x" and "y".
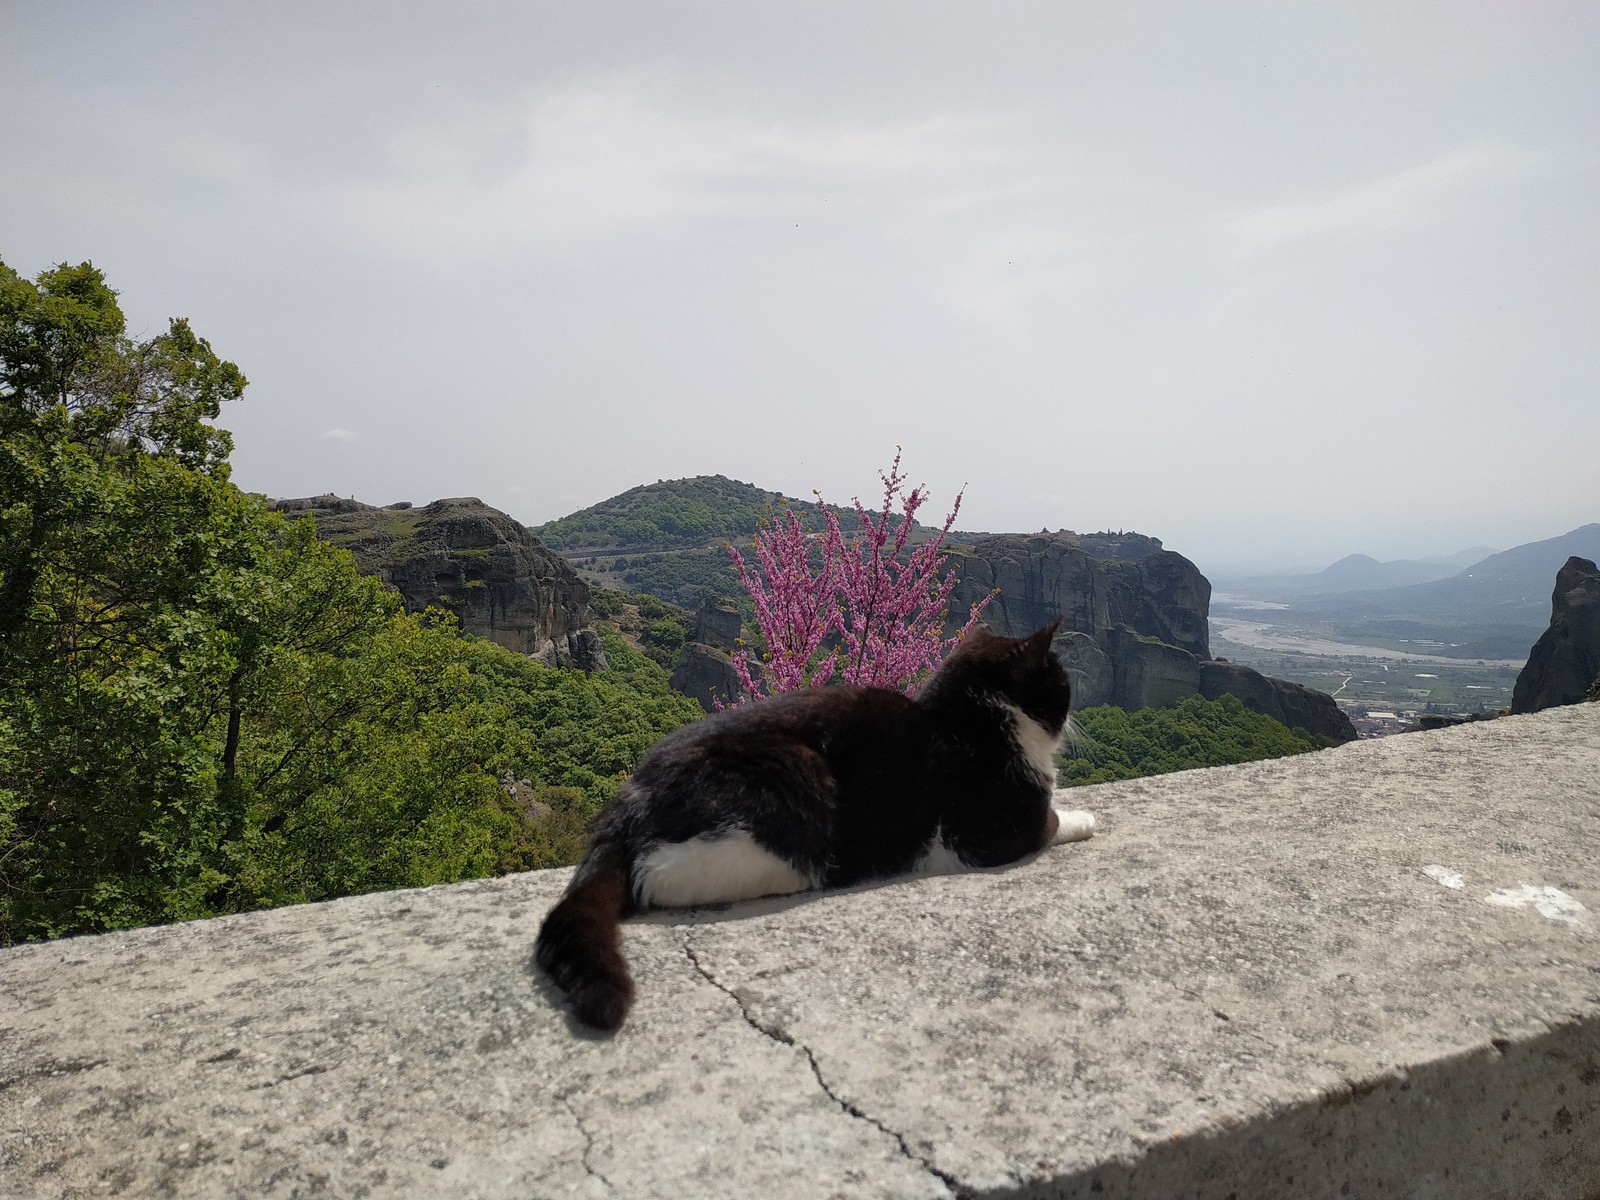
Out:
{"x": 820, "y": 788}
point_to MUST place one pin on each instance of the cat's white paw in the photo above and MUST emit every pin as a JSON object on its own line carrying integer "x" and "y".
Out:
{"x": 1074, "y": 825}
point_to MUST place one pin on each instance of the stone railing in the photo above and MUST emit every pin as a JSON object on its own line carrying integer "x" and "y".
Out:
{"x": 1370, "y": 971}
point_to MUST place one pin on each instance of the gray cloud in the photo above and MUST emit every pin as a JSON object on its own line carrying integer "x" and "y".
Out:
{"x": 1286, "y": 282}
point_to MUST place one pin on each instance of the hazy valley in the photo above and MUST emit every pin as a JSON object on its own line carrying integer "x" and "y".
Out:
{"x": 1439, "y": 635}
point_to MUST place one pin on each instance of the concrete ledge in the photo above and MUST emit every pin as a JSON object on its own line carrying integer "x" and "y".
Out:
{"x": 1369, "y": 971}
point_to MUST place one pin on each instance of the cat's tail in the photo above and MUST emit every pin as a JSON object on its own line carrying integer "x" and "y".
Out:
{"x": 580, "y": 942}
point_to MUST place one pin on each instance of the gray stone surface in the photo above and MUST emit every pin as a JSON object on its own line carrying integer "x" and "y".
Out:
{"x": 1149, "y": 672}
{"x": 1370, "y": 971}
{"x": 1093, "y": 674}
{"x": 717, "y": 623}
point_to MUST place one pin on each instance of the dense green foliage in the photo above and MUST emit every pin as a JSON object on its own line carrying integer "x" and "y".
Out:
{"x": 659, "y": 629}
{"x": 1193, "y": 733}
{"x": 674, "y": 513}
{"x": 677, "y": 514}
{"x": 204, "y": 708}
{"x": 686, "y": 578}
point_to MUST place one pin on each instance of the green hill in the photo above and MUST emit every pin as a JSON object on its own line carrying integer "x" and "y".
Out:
{"x": 672, "y": 514}
{"x": 669, "y": 538}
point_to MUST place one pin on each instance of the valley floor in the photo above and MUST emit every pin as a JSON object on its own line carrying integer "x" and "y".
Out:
{"x": 1382, "y": 690}
{"x": 1272, "y": 636}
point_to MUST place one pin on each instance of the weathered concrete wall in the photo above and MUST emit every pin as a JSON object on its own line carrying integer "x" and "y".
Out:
{"x": 1372, "y": 971}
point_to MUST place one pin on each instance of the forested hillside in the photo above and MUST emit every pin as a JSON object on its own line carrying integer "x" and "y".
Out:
{"x": 204, "y": 708}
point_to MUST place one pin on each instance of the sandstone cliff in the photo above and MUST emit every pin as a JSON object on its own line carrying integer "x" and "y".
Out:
{"x": 1120, "y": 667}
{"x": 1565, "y": 662}
{"x": 460, "y": 554}
{"x": 1135, "y": 628}
{"x": 1158, "y": 594}
{"x": 705, "y": 666}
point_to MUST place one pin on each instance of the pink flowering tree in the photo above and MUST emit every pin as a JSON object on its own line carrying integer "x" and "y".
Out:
{"x": 869, "y": 608}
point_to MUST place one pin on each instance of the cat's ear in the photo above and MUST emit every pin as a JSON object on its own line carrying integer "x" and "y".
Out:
{"x": 1035, "y": 645}
{"x": 1039, "y": 643}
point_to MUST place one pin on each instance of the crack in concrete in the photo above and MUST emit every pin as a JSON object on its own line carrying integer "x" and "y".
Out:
{"x": 778, "y": 1035}
{"x": 53, "y": 1068}
{"x": 300, "y": 1074}
{"x": 588, "y": 1144}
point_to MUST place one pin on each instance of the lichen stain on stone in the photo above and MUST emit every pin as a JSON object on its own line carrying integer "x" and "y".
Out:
{"x": 1444, "y": 876}
{"x": 1551, "y": 903}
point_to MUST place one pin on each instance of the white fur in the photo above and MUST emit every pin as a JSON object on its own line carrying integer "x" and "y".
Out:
{"x": 1075, "y": 826}
{"x": 939, "y": 859}
{"x": 713, "y": 869}
{"x": 1038, "y": 744}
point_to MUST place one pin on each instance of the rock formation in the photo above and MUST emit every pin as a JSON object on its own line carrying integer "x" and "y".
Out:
{"x": 460, "y": 554}
{"x": 705, "y": 666}
{"x": 1135, "y": 629}
{"x": 1565, "y": 662}
{"x": 1158, "y": 594}
{"x": 1296, "y": 705}
{"x": 1120, "y": 667}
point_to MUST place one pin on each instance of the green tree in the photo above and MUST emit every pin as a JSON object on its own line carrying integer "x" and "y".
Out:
{"x": 119, "y": 535}
{"x": 1193, "y": 733}
{"x": 203, "y": 707}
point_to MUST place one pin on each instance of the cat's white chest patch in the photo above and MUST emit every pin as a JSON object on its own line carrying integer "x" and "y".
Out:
{"x": 712, "y": 869}
{"x": 1038, "y": 744}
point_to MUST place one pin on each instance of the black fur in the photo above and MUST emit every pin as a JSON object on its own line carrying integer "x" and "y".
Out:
{"x": 843, "y": 783}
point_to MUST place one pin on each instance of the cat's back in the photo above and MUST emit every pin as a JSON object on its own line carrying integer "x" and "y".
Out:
{"x": 825, "y": 718}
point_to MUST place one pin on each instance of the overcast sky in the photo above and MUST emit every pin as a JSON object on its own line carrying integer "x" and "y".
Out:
{"x": 1272, "y": 282}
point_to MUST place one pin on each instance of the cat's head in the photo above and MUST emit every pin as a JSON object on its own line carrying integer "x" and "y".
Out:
{"x": 1020, "y": 671}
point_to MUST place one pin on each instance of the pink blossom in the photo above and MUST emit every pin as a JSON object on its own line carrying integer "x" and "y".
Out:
{"x": 884, "y": 606}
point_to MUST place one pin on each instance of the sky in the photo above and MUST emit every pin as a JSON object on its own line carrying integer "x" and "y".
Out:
{"x": 1274, "y": 283}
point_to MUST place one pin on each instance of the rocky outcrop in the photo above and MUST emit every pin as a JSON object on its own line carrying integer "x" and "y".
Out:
{"x": 717, "y": 623}
{"x": 1294, "y": 704}
{"x": 705, "y": 666}
{"x": 1122, "y": 668}
{"x": 1158, "y": 594}
{"x": 1565, "y": 662}
{"x": 581, "y": 650}
{"x": 705, "y": 674}
{"x": 1135, "y": 628}
{"x": 497, "y": 578}
{"x": 1094, "y": 675}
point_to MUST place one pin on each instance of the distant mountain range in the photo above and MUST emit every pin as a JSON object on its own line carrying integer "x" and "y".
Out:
{"x": 1461, "y": 558}
{"x": 669, "y": 538}
{"x": 1354, "y": 572}
{"x": 698, "y": 513}
{"x": 1499, "y": 577}
{"x": 1495, "y": 608}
